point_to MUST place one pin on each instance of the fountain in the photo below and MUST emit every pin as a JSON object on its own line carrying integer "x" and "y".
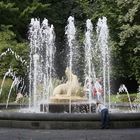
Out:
{"x": 66, "y": 94}
{"x": 43, "y": 94}
{"x": 63, "y": 105}
{"x": 102, "y": 48}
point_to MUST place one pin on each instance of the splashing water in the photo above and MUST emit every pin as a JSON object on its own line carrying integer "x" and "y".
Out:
{"x": 42, "y": 50}
{"x": 70, "y": 32}
{"x": 124, "y": 89}
{"x": 102, "y": 33}
{"x": 90, "y": 74}
{"x": 15, "y": 83}
{"x": 8, "y": 73}
{"x": 97, "y": 56}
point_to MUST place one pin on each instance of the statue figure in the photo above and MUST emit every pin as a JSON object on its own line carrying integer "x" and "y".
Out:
{"x": 18, "y": 97}
{"x": 71, "y": 87}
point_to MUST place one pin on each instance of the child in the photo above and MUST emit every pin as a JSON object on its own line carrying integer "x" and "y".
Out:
{"x": 103, "y": 110}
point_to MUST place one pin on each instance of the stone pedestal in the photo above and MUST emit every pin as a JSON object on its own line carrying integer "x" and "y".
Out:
{"x": 64, "y": 108}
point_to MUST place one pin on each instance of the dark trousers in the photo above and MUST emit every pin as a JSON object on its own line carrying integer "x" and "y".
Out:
{"x": 105, "y": 118}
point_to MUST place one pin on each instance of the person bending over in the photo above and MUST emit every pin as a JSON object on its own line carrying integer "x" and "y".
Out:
{"x": 104, "y": 114}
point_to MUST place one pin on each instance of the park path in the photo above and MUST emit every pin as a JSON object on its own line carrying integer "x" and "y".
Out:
{"x": 96, "y": 134}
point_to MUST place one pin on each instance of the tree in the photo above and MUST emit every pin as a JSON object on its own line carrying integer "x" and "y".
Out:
{"x": 130, "y": 35}
{"x": 13, "y": 54}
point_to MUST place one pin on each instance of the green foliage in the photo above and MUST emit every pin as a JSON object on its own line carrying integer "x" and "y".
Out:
{"x": 123, "y": 98}
{"x": 8, "y": 13}
{"x": 7, "y": 39}
{"x": 130, "y": 35}
{"x": 137, "y": 100}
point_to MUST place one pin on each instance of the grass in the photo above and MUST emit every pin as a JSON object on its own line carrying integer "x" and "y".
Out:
{"x": 123, "y": 98}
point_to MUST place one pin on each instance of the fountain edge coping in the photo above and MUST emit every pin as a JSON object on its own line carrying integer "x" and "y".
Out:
{"x": 67, "y": 116}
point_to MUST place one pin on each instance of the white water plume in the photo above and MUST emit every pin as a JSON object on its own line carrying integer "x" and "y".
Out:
{"x": 102, "y": 33}
{"x": 42, "y": 50}
{"x": 71, "y": 32}
{"x": 90, "y": 75}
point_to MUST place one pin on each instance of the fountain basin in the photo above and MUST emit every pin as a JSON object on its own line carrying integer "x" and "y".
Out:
{"x": 66, "y": 121}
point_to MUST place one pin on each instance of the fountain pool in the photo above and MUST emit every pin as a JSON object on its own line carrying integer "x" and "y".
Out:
{"x": 49, "y": 94}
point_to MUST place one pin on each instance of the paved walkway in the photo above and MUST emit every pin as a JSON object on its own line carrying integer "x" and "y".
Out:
{"x": 108, "y": 134}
